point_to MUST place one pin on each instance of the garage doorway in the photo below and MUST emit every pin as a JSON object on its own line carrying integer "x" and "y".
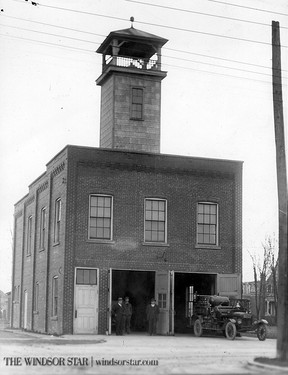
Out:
{"x": 139, "y": 286}
{"x": 201, "y": 283}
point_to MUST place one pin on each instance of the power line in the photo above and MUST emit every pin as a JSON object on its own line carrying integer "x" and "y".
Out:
{"x": 201, "y": 13}
{"x": 250, "y": 8}
{"x": 170, "y": 65}
{"x": 220, "y": 66}
{"x": 157, "y": 25}
{"x": 172, "y": 57}
{"x": 220, "y": 58}
{"x": 164, "y": 48}
{"x": 49, "y": 24}
{"x": 43, "y": 32}
{"x": 47, "y": 43}
{"x": 218, "y": 74}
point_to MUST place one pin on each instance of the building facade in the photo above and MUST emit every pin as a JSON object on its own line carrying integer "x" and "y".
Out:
{"x": 124, "y": 219}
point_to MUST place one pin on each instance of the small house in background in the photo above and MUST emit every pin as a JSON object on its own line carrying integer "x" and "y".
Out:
{"x": 5, "y": 307}
{"x": 123, "y": 219}
{"x": 270, "y": 305}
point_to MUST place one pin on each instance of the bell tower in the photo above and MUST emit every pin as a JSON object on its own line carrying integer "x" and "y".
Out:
{"x": 131, "y": 90}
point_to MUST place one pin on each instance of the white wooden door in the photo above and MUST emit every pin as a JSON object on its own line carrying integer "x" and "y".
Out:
{"x": 25, "y": 309}
{"x": 86, "y": 309}
{"x": 229, "y": 285}
{"x": 162, "y": 295}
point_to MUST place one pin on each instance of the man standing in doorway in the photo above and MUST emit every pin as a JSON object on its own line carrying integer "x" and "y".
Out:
{"x": 117, "y": 312}
{"x": 152, "y": 313}
{"x": 127, "y": 315}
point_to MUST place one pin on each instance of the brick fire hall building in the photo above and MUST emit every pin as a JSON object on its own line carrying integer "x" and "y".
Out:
{"x": 123, "y": 219}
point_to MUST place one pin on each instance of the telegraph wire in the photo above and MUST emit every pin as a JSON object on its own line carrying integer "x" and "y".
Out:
{"x": 51, "y": 34}
{"x": 250, "y": 8}
{"x": 47, "y": 43}
{"x": 165, "y": 64}
{"x": 171, "y": 57}
{"x": 164, "y": 48}
{"x": 220, "y": 58}
{"x": 49, "y": 24}
{"x": 218, "y": 74}
{"x": 157, "y": 25}
{"x": 219, "y": 66}
{"x": 201, "y": 13}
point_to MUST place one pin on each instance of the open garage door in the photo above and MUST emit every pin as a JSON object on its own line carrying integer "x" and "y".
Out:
{"x": 229, "y": 285}
{"x": 162, "y": 295}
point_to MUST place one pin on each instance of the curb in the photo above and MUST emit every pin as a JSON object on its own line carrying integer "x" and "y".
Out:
{"x": 264, "y": 366}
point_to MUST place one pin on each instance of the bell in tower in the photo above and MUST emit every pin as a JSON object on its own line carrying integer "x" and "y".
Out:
{"x": 131, "y": 90}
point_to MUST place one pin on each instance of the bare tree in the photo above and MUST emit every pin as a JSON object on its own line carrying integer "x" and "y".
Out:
{"x": 270, "y": 246}
{"x": 265, "y": 267}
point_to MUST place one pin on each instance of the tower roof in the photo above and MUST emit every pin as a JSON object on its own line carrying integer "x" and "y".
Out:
{"x": 132, "y": 37}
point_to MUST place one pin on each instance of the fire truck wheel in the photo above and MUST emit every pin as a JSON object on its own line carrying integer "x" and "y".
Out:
{"x": 198, "y": 329}
{"x": 261, "y": 332}
{"x": 230, "y": 331}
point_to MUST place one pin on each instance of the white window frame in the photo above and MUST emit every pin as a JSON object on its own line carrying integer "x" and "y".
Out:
{"x": 217, "y": 224}
{"x": 133, "y": 103}
{"x": 43, "y": 221}
{"x": 165, "y": 226}
{"x": 57, "y": 220}
{"x": 111, "y": 218}
{"x": 36, "y": 297}
{"x": 29, "y": 236}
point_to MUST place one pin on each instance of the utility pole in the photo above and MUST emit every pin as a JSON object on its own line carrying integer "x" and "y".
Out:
{"x": 282, "y": 336}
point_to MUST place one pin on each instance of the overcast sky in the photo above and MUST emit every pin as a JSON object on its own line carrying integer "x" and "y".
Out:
{"x": 216, "y": 98}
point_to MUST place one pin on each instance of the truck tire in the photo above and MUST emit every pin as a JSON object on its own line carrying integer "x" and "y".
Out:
{"x": 230, "y": 331}
{"x": 261, "y": 332}
{"x": 198, "y": 329}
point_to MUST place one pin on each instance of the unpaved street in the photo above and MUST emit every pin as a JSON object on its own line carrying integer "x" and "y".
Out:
{"x": 134, "y": 354}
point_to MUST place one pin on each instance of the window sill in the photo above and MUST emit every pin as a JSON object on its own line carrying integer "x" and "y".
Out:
{"x": 54, "y": 317}
{"x": 42, "y": 249}
{"x": 162, "y": 244}
{"x": 208, "y": 247}
{"x": 56, "y": 244}
{"x": 101, "y": 241}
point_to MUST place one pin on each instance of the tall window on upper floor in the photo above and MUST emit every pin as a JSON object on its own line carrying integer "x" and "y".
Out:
{"x": 207, "y": 223}
{"x": 155, "y": 220}
{"x": 137, "y": 104}
{"x": 29, "y": 236}
{"x": 57, "y": 221}
{"x": 43, "y": 228}
{"x": 100, "y": 217}
{"x": 36, "y": 297}
{"x": 55, "y": 296}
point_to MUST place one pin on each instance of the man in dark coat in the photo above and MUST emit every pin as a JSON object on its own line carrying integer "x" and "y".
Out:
{"x": 127, "y": 315}
{"x": 117, "y": 313}
{"x": 152, "y": 313}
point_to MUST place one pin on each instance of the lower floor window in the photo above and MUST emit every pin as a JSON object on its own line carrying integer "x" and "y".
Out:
{"x": 86, "y": 276}
{"x": 55, "y": 296}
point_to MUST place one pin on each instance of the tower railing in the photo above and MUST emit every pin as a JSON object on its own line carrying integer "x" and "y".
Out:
{"x": 132, "y": 62}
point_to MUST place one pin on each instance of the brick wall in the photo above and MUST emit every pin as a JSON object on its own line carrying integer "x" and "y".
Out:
{"x": 117, "y": 130}
{"x": 43, "y": 263}
{"x": 130, "y": 178}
